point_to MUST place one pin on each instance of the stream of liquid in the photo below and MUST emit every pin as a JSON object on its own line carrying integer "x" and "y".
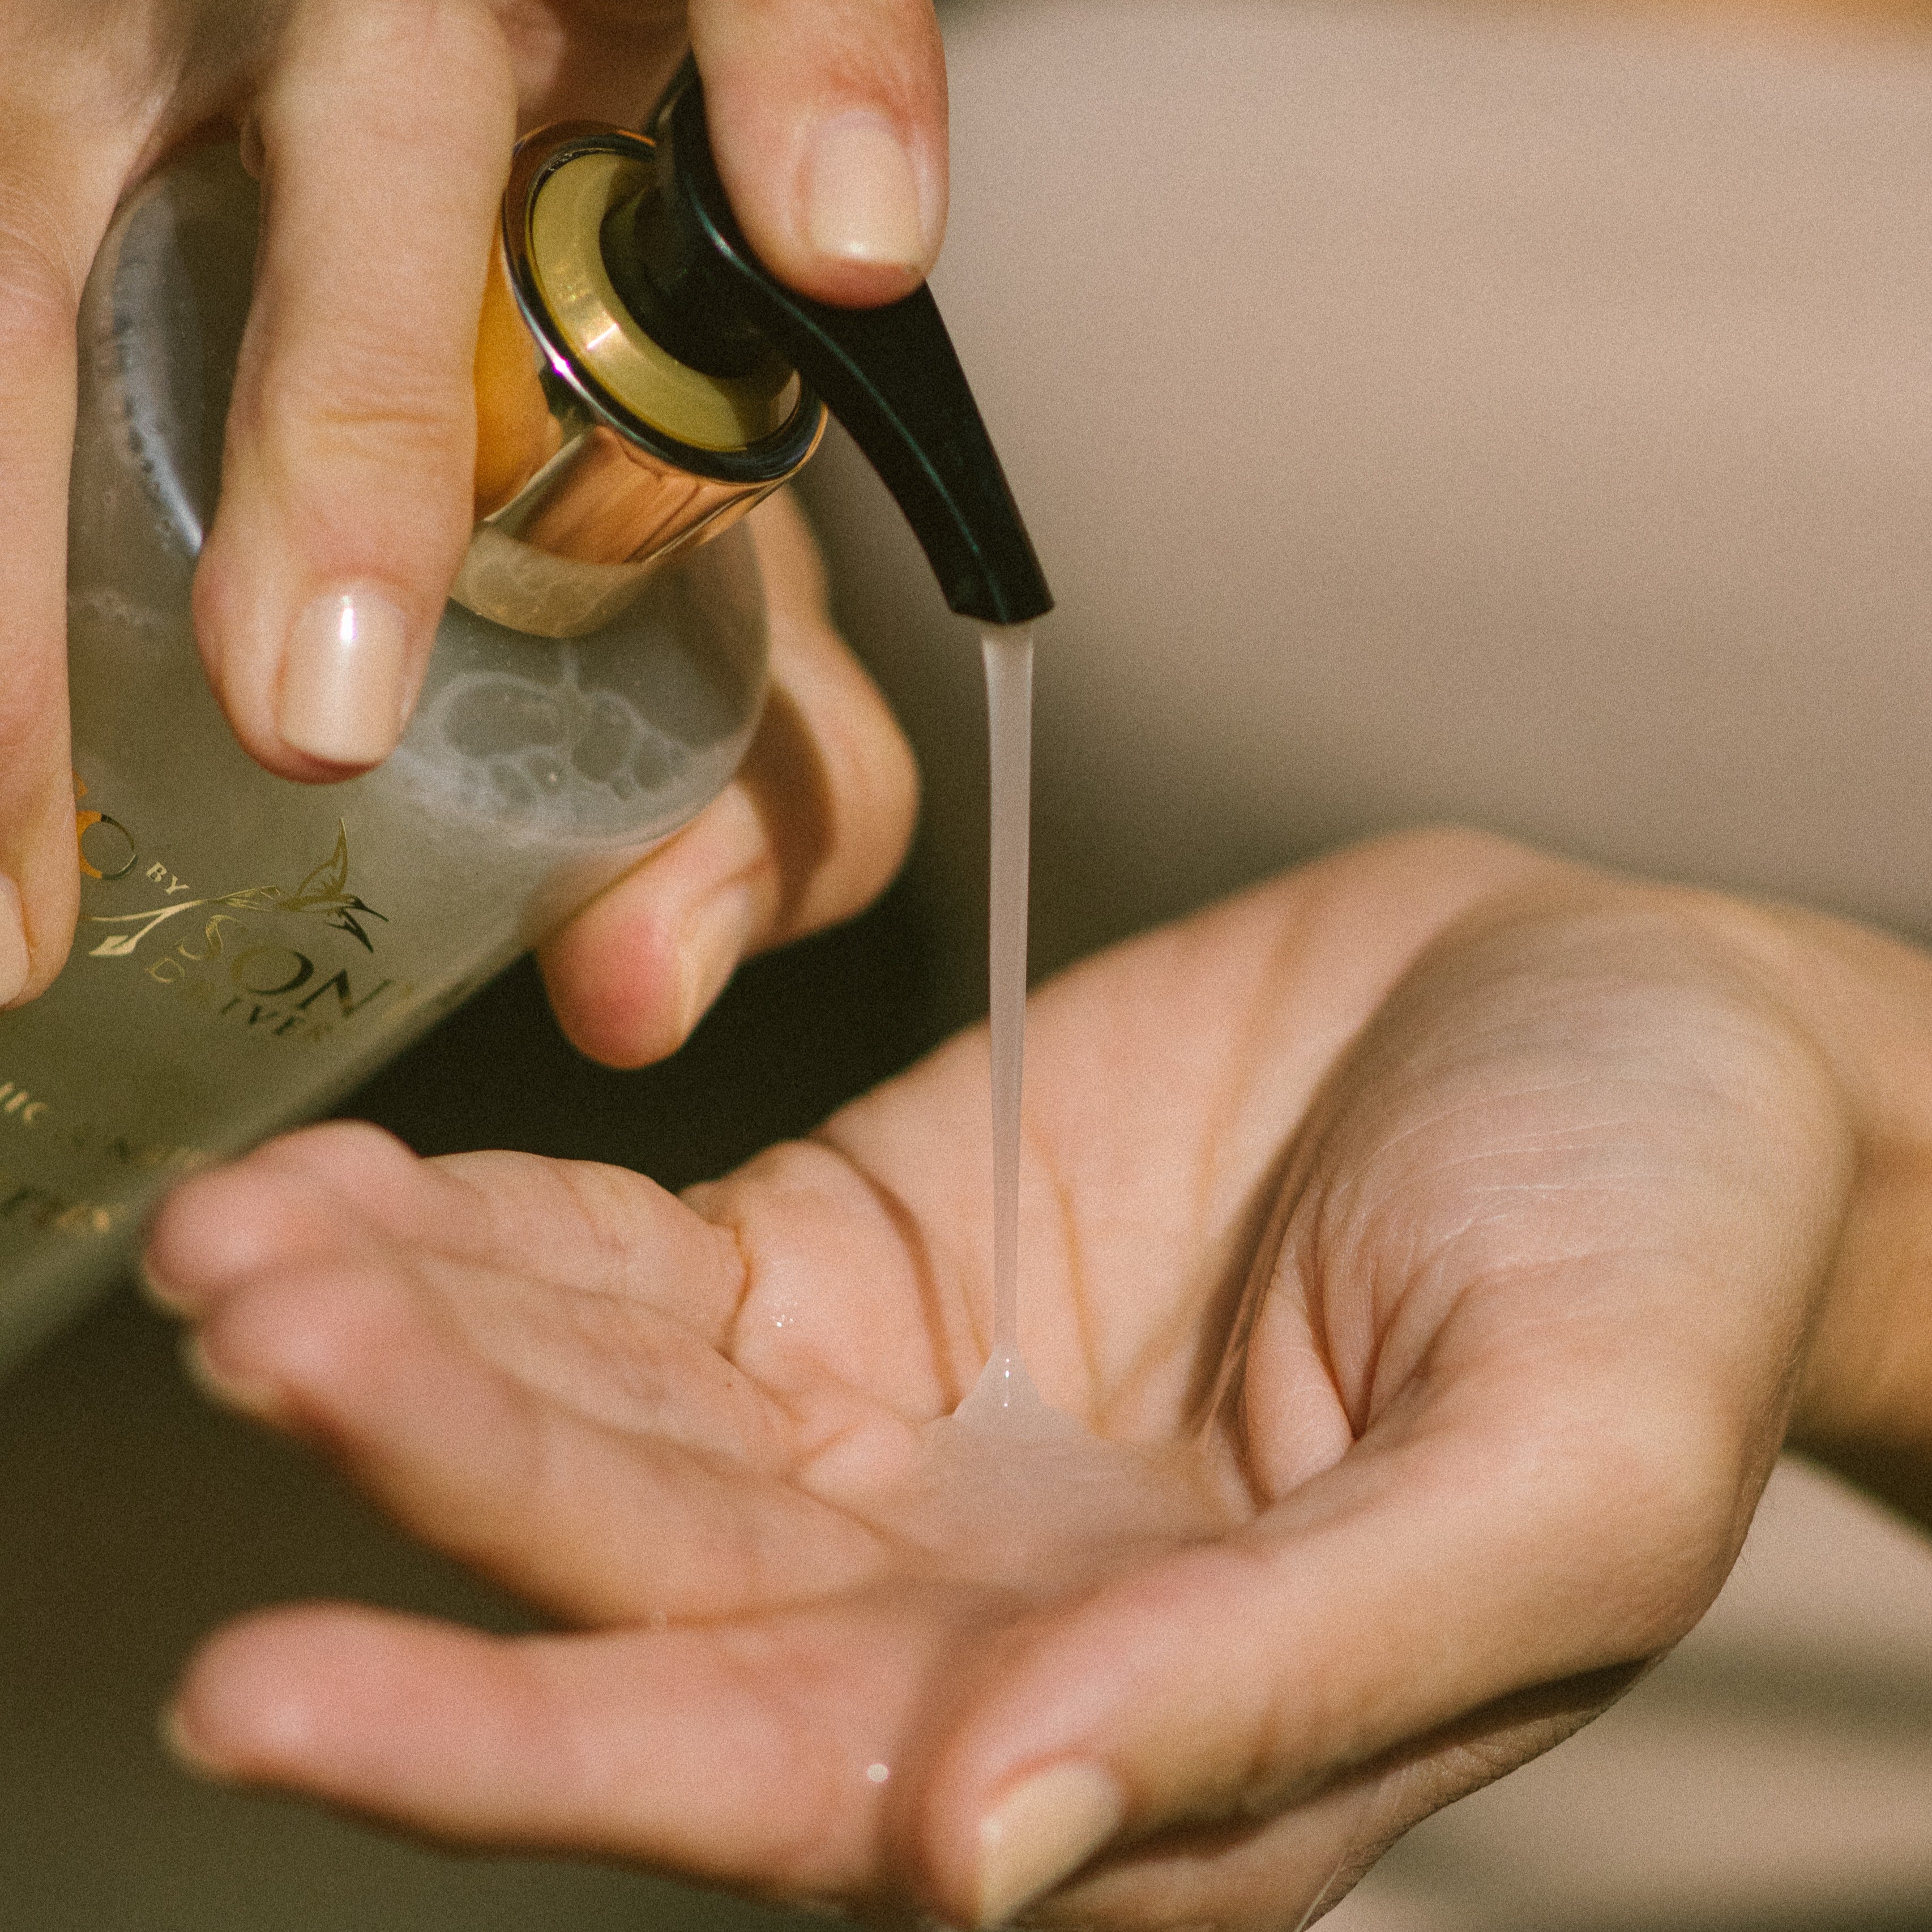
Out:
{"x": 1009, "y": 1487}
{"x": 1008, "y": 654}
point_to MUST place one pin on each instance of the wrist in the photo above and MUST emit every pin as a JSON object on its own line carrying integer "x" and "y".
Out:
{"x": 1863, "y": 1397}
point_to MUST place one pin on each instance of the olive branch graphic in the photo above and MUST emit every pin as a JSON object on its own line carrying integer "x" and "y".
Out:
{"x": 324, "y": 895}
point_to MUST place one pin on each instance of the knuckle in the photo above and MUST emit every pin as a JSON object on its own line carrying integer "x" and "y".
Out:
{"x": 385, "y": 48}
{"x": 335, "y": 1156}
{"x": 327, "y": 30}
{"x": 413, "y": 432}
{"x": 321, "y": 1330}
{"x": 384, "y": 479}
{"x": 334, "y": 404}
{"x": 881, "y": 786}
{"x": 871, "y": 784}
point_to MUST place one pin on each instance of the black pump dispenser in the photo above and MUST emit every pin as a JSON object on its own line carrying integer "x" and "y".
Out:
{"x": 678, "y": 259}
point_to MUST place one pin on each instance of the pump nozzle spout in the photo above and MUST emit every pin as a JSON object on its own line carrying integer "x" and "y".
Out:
{"x": 677, "y": 256}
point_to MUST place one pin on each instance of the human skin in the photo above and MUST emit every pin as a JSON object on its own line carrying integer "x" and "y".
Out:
{"x": 382, "y": 131}
{"x": 1479, "y": 1226}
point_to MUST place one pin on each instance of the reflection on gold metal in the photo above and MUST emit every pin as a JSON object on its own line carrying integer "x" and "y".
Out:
{"x": 566, "y": 222}
{"x": 516, "y": 433}
{"x": 598, "y": 453}
{"x": 86, "y": 821}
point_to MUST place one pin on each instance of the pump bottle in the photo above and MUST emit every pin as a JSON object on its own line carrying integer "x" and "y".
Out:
{"x": 249, "y": 948}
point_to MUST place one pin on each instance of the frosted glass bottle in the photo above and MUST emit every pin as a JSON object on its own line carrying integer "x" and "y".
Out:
{"x": 249, "y": 948}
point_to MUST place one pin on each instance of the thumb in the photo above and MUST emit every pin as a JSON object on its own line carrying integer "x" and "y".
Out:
{"x": 829, "y": 118}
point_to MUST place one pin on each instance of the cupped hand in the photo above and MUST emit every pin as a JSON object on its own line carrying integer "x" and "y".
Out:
{"x": 1439, "y": 1238}
{"x": 382, "y": 131}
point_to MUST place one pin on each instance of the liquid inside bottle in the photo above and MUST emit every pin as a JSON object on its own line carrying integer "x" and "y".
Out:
{"x": 249, "y": 948}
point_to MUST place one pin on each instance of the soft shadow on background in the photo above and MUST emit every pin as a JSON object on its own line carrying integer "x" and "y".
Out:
{"x": 1518, "y": 416}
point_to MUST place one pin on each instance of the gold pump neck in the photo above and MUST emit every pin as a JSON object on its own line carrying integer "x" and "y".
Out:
{"x": 599, "y": 453}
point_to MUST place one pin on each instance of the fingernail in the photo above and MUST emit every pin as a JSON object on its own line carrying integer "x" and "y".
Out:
{"x": 161, "y": 1291}
{"x": 862, "y": 195}
{"x": 710, "y": 948}
{"x": 1041, "y": 1833}
{"x": 256, "y": 1399}
{"x": 14, "y": 964}
{"x": 179, "y": 1742}
{"x": 342, "y": 678}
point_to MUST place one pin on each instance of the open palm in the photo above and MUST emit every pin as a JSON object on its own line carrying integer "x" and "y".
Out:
{"x": 1431, "y": 1239}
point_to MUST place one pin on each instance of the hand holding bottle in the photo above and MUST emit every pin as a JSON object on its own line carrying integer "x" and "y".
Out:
{"x": 1518, "y": 1215}
{"x": 381, "y": 133}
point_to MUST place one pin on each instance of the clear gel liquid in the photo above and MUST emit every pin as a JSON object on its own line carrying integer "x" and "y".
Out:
{"x": 1009, "y": 1491}
{"x": 1029, "y": 1491}
{"x": 1008, "y": 654}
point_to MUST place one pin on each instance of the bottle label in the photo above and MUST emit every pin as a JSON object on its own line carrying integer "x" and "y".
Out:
{"x": 55, "y": 1136}
{"x": 109, "y": 1093}
{"x": 233, "y": 952}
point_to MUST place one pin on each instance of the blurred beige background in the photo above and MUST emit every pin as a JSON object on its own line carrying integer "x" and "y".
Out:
{"x": 1517, "y": 416}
